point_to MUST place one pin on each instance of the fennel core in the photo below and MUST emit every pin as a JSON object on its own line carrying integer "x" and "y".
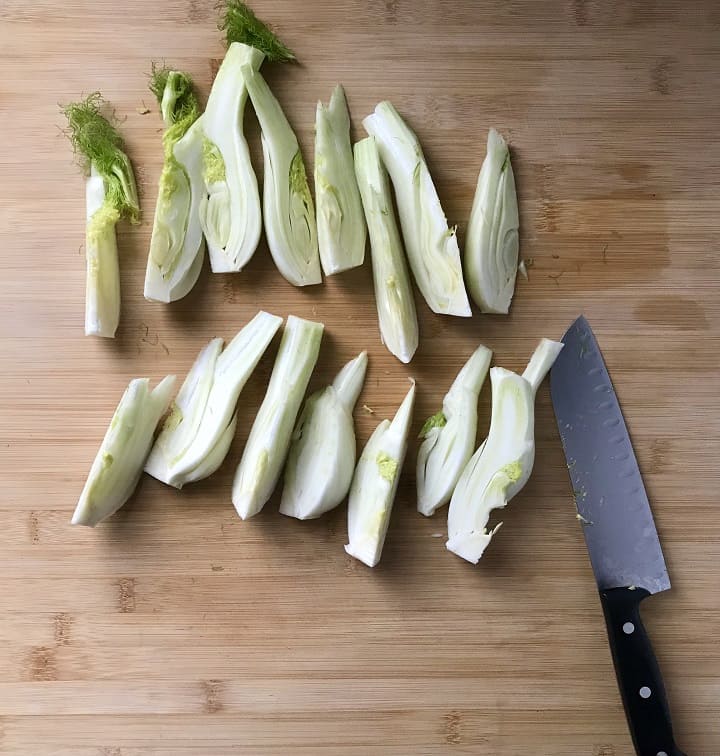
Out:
{"x": 213, "y": 163}
{"x": 438, "y": 420}
{"x": 387, "y": 466}
{"x": 298, "y": 181}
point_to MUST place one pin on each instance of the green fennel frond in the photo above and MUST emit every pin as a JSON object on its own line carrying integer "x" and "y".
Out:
{"x": 175, "y": 95}
{"x": 240, "y": 24}
{"x": 97, "y": 143}
{"x": 159, "y": 76}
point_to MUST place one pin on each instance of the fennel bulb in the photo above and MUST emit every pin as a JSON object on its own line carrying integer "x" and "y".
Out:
{"x": 110, "y": 193}
{"x": 230, "y": 213}
{"x": 375, "y": 484}
{"x": 288, "y": 208}
{"x": 119, "y": 462}
{"x": 450, "y": 435}
{"x": 431, "y": 245}
{"x": 340, "y": 221}
{"x": 321, "y": 459}
{"x": 492, "y": 245}
{"x": 393, "y": 292}
{"x": 267, "y": 446}
{"x": 503, "y": 463}
{"x": 177, "y": 244}
{"x": 197, "y": 434}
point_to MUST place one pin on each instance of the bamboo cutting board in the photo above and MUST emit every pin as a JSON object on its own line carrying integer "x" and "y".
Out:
{"x": 177, "y": 629}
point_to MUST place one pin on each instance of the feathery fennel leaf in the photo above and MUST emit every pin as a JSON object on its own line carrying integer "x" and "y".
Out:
{"x": 97, "y": 143}
{"x": 240, "y": 24}
{"x": 176, "y": 97}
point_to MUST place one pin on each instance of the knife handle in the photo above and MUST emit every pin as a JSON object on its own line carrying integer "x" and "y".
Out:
{"x": 638, "y": 673}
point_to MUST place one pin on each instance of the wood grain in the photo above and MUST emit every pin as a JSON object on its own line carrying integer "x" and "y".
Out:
{"x": 177, "y": 629}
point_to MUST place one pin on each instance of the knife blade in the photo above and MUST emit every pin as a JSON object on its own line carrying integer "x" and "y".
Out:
{"x": 618, "y": 526}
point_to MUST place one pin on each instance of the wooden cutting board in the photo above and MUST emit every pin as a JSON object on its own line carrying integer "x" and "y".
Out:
{"x": 177, "y": 629}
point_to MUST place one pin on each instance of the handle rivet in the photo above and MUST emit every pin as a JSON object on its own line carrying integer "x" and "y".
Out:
{"x": 629, "y": 629}
{"x": 645, "y": 692}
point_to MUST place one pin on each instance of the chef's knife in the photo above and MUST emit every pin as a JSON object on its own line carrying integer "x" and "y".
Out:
{"x": 619, "y": 530}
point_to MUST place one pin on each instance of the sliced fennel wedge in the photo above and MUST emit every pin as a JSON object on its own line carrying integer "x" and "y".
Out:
{"x": 321, "y": 459}
{"x": 393, "y": 291}
{"x": 492, "y": 245}
{"x": 267, "y": 446}
{"x": 110, "y": 194}
{"x": 375, "y": 484}
{"x": 449, "y": 436}
{"x": 198, "y": 432}
{"x": 119, "y": 462}
{"x": 230, "y": 207}
{"x": 431, "y": 245}
{"x": 288, "y": 208}
{"x": 340, "y": 221}
{"x": 177, "y": 244}
{"x": 503, "y": 463}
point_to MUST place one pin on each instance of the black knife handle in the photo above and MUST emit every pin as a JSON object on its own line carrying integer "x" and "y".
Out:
{"x": 638, "y": 673}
